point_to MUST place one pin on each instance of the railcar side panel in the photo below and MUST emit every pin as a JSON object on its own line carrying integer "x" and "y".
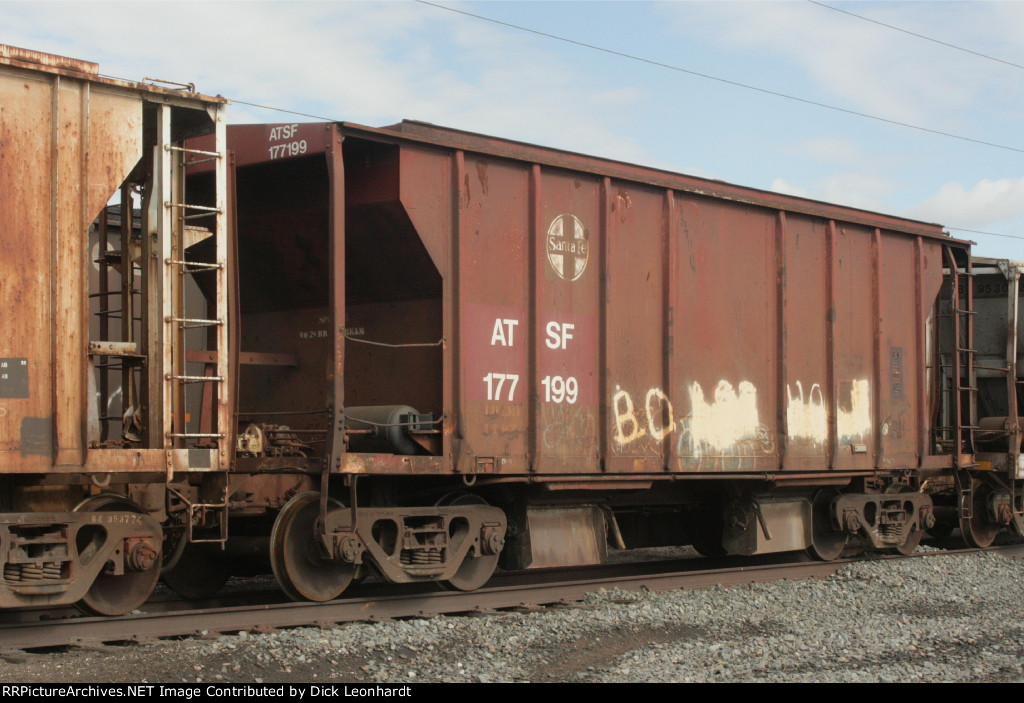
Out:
{"x": 566, "y": 374}
{"x": 725, "y": 337}
{"x": 26, "y": 405}
{"x": 73, "y": 144}
{"x": 637, "y": 427}
{"x": 720, "y": 335}
{"x": 898, "y": 354}
{"x": 494, "y": 293}
{"x": 853, "y": 377}
{"x": 803, "y": 347}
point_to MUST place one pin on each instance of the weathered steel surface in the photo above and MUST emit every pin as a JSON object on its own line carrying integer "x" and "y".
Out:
{"x": 69, "y": 138}
{"x": 597, "y": 317}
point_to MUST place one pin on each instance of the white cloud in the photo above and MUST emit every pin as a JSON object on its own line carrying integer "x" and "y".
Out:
{"x": 859, "y": 189}
{"x": 978, "y": 206}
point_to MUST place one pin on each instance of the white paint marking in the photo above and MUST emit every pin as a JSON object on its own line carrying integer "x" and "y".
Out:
{"x": 625, "y": 417}
{"x": 855, "y": 423}
{"x": 807, "y": 418}
{"x": 498, "y": 334}
{"x": 729, "y": 419}
{"x": 654, "y": 414}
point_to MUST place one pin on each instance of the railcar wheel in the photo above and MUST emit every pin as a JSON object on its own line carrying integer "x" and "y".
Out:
{"x": 476, "y": 570}
{"x": 197, "y": 574}
{"x": 827, "y": 543}
{"x": 909, "y": 546}
{"x": 112, "y": 594}
{"x": 297, "y": 558}
{"x": 978, "y": 530}
{"x": 175, "y": 542}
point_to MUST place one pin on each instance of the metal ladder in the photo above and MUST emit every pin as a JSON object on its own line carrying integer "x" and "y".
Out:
{"x": 124, "y": 355}
{"x": 961, "y": 370}
{"x": 170, "y": 265}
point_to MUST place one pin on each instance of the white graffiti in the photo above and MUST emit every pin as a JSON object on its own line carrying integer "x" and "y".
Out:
{"x": 714, "y": 427}
{"x": 659, "y": 418}
{"x": 728, "y": 423}
{"x": 807, "y": 416}
{"x": 855, "y": 423}
{"x": 730, "y": 418}
{"x": 627, "y": 427}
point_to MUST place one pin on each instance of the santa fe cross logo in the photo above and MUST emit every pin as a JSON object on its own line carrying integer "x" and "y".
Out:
{"x": 568, "y": 246}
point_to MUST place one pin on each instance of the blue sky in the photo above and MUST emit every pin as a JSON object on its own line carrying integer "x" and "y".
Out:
{"x": 378, "y": 62}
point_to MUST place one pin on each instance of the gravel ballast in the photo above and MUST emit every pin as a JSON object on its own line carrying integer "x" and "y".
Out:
{"x": 944, "y": 618}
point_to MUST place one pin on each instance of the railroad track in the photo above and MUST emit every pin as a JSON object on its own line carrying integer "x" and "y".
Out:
{"x": 266, "y": 610}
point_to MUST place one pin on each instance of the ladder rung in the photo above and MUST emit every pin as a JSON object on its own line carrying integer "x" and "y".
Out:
{"x": 202, "y": 214}
{"x": 135, "y": 291}
{"x": 114, "y": 314}
{"x": 204, "y": 208}
{"x": 953, "y": 428}
{"x": 189, "y": 323}
{"x": 215, "y": 154}
{"x": 194, "y": 436}
{"x": 195, "y": 162}
{"x": 968, "y": 350}
{"x": 194, "y": 264}
{"x": 194, "y": 379}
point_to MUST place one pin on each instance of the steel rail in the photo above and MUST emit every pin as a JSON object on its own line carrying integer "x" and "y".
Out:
{"x": 143, "y": 626}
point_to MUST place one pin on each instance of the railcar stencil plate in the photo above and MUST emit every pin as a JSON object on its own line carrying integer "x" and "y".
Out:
{"x": 13, "y": 378}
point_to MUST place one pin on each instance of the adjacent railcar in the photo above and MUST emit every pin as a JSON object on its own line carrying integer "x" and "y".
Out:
{"x": 81, "y": 509}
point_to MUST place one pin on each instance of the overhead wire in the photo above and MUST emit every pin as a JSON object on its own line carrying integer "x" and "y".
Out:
{"x": 915, "y": 34}
{"x": 290, "y": 112}
{"x": 975, "y": 231}
{"x": 707, "y": 76}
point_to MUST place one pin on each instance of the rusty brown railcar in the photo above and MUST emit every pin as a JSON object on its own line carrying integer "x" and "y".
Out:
{"x": 603, "y": 351}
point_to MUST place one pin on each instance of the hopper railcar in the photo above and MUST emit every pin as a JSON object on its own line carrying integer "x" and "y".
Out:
{"x": 429, "y": 353}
